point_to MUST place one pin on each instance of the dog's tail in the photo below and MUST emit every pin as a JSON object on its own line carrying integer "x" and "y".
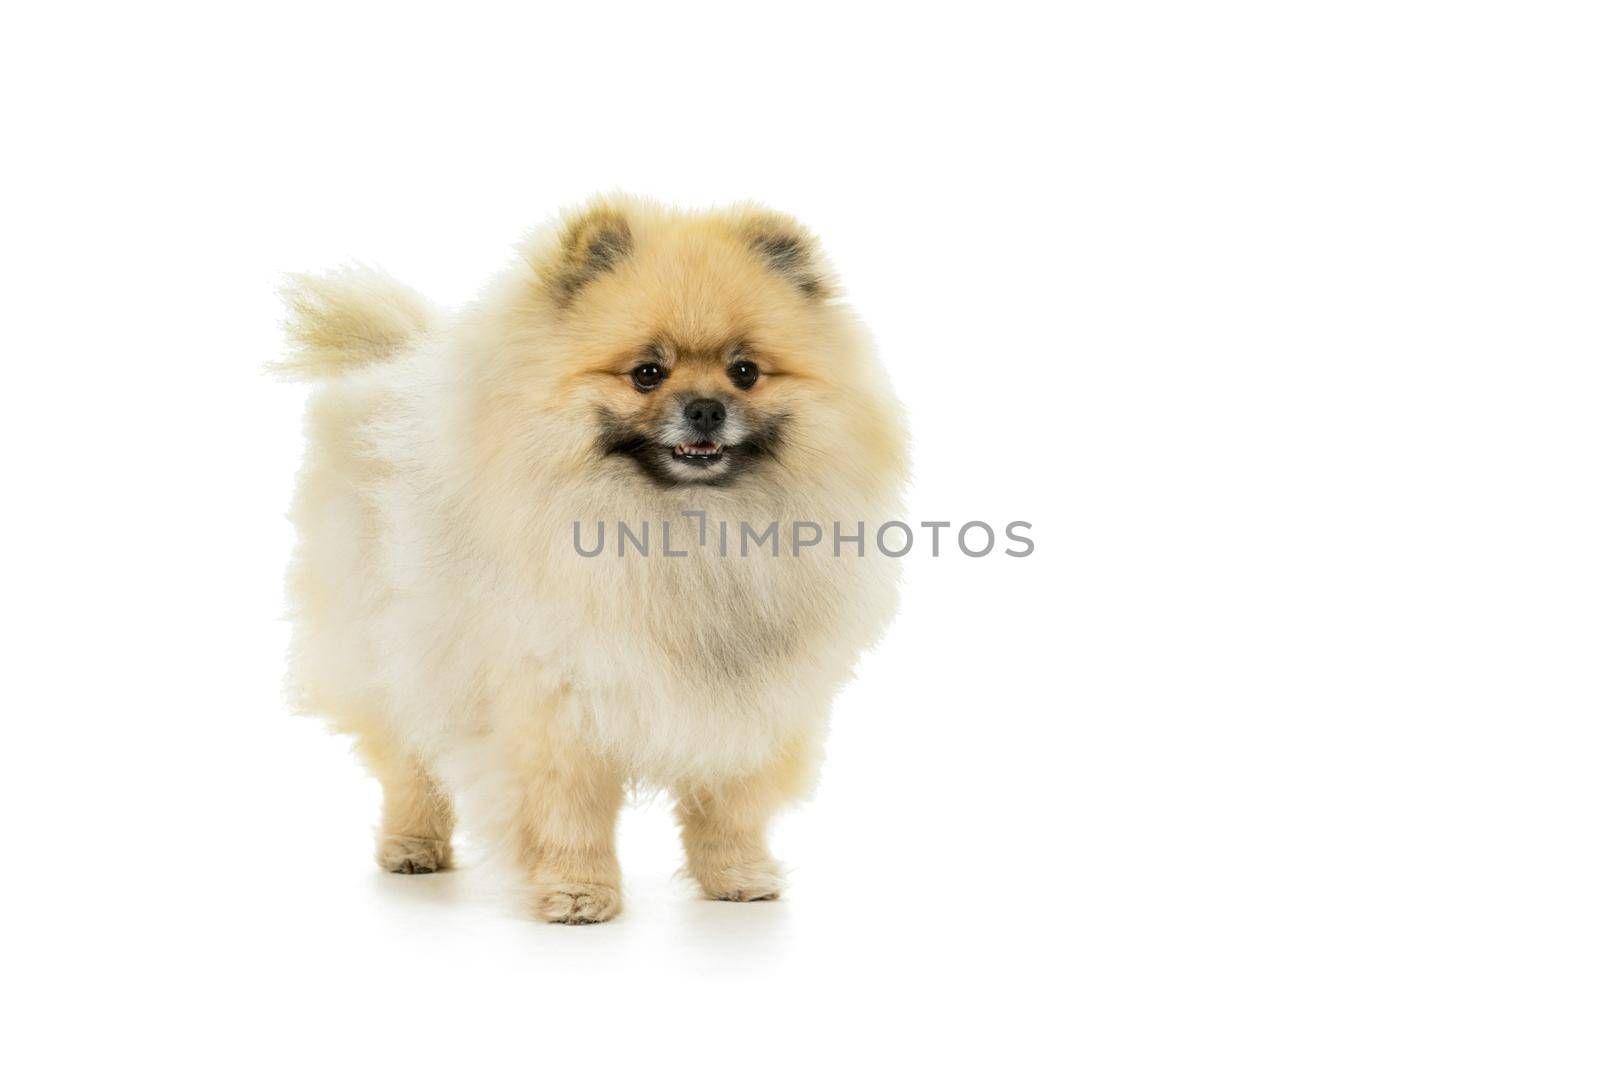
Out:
{"x": 348, "y": 319}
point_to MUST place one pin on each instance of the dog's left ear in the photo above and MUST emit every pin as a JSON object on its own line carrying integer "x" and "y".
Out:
{"x": 788, "y": 249}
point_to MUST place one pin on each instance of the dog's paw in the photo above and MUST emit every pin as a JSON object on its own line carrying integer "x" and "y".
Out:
{"x": 576, "y": 902}
{"x": 760, "y": 880}
{"x": 412, "y": 856}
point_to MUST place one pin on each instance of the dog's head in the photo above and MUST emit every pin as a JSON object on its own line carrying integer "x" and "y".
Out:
{"x": 697, "y": 349}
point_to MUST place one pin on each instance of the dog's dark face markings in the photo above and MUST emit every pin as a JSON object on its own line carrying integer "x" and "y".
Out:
{"x": 693, "y": 419}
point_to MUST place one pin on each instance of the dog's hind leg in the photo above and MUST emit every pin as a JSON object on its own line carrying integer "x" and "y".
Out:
{"x": 414, "y": 837}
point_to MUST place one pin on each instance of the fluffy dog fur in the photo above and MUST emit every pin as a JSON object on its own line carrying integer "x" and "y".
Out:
{"x": 443, "y": 616}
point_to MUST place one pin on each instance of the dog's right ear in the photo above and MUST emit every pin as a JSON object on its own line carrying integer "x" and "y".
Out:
{"x": 589, "y": 243}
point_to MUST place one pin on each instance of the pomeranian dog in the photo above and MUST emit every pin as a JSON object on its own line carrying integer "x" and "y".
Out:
{"x": 678, "y": 380}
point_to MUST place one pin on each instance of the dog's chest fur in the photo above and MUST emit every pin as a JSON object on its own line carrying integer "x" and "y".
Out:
{"x": 708, "y": 663}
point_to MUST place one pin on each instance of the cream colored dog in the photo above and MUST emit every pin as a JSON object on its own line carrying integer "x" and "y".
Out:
{"x": 636, "y": 363}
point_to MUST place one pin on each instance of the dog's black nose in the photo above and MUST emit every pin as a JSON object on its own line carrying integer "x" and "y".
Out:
{"x": 705, "y": 414}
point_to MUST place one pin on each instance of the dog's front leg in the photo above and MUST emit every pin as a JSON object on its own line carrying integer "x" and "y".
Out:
{"x": 724, "y": 826}
{"x": 567, "y": 827}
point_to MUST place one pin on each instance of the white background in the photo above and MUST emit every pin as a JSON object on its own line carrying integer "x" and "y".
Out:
{"x": 1277, "y": 321}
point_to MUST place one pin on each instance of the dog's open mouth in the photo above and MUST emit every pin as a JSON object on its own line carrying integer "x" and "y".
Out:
{"x": 698, "y": 453}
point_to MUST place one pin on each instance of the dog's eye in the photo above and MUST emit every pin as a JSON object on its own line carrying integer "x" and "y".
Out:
{"x": 648, "y": 376}
{"x": 744, "y": 374}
